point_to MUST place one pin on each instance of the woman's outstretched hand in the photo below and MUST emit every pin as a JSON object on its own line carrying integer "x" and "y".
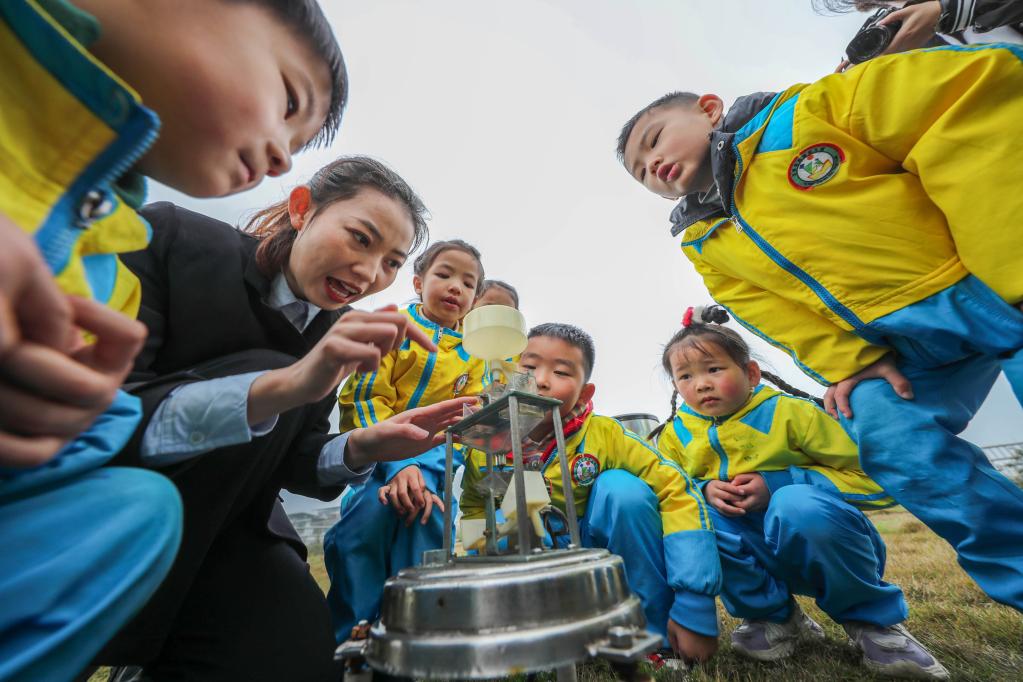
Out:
{"x": 355, "y": 343}
{"x": 404, "y": 435}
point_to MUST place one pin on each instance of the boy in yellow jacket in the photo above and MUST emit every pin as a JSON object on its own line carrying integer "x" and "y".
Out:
{"x": 867, "y": 225}
{"x": 84, "y": 547}
{"x": 630, "y": 500}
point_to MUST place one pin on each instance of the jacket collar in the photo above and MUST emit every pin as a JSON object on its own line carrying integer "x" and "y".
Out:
{"x": 262, "y": 286}
{"x": 761, "y": 394}
{"x": 429, "y": 325}
{"x": 698, "y": 206}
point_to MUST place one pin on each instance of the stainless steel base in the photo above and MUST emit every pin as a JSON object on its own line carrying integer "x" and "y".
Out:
{"x": 495, "y": 616}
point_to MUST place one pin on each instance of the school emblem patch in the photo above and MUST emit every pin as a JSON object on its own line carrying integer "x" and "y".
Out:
{"x": 585, "y": 469}
{"x": 460, "y": 383}
{"x": 815, "y": 165}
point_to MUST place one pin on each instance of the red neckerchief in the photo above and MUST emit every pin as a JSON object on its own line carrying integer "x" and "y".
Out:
{"x": 573, "y": 421}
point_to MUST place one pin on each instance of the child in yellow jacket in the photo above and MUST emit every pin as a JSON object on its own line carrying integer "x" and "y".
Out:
{"x": 867, "y": 224}
{"x": 785, "y": 489}
{"x": 87, "y": 116}
{"x": 630, "y": 500}
{"x": 370, "y": 543}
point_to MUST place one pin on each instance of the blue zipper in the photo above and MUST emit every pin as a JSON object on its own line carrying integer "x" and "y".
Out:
{"x": 715, "y": 443}
{"x": 706, "y": 235}
{"x": 823, "y": 294}
{"x": 58, "y": 234}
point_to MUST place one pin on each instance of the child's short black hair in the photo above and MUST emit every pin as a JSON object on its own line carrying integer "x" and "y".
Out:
{"x": 491, "y": 283}
{"x": 306, "y": 19}
{"x": 572, "y": 336}
{"x": 664, "y": 100}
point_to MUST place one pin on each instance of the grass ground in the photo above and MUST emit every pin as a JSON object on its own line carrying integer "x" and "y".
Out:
{"x": 973, "y": 637}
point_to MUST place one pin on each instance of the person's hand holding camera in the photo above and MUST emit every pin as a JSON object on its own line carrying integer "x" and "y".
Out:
{"x": 891, "y": 30}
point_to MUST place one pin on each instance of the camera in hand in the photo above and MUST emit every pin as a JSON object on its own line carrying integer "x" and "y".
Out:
{"x": 871, "y": 40}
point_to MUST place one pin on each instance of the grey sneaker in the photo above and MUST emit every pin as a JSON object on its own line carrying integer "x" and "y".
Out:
{"x": 893, "y": 651}
{"x": 766, "y": 641}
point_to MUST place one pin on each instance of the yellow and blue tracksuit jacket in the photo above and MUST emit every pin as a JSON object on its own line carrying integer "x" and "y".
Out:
{"x": 412, "y": 377}
{"x": 864, "y": 193}
{"x": 785, "y": 439}
{"x": 601, "y": 444}
{"x": 70, "y": 130}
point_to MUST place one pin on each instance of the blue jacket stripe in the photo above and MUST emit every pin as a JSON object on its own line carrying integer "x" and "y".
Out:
{"x": 698, "y": 242}
{"x": 1011, "y": 47}
{"x": 684, "y": 435}
{"x": 358, "y": 402}
{"x": 101, "y": 272}
{"x": 816, "y": 287}
{"x": 424, "y": 380}
{"x": 778, "y": 134}
{"x": 754, "y": 123}
{"x": 368, "y": 397}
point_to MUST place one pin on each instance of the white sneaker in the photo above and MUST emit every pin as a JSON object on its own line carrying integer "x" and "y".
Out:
{"x": 893, "y": 651}
{"x": 766, "y": 641}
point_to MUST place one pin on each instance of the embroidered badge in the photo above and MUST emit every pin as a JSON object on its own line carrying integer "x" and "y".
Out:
{"x": 585, "y": 469}
{"x": 460, "y": 383}
{"x": 815, "y": 165}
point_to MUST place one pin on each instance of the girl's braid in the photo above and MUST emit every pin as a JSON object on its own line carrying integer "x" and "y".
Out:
{"x": 789, "y": 388}
{"x": 671, "y": 416}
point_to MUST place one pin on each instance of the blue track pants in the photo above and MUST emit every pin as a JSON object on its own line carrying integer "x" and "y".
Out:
{"x": 369, "y": 544}
{"x": 623, "y": 517}
{"x": 83, "y": 549}
{"x": 951, "y": 347}
{"x": 808, "y": 541}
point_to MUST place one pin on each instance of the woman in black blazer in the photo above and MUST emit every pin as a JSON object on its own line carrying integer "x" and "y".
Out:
{"x": 249, "y": 336}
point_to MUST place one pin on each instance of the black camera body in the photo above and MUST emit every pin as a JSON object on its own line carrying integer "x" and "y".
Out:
{"x": 871, "y": 40}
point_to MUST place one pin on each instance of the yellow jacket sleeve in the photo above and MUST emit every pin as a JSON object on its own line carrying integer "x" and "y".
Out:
{"x": 672, "y": 448}
{"x": 369, "y": 398}
{"x": 681, "y": 503}
{"x": 824, "y": 351}
{"x": 950, "y": 116}
{"x": 825, "y": 442}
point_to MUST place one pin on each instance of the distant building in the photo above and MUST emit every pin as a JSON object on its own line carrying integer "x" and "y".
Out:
{"x": 311, "y": 526}
{"x": 1008, "y": 459}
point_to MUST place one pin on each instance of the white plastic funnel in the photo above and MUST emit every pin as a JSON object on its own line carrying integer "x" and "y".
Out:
{"x": 494, "y": 332}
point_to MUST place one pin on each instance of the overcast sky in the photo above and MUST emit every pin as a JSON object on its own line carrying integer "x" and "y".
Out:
{"x": 503, "y": 116}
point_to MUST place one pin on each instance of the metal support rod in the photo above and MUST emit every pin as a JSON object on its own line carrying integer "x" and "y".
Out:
{"x": 566, "y": 482}
{"x": 490, "y": 507}
{"x": 566, "y": 673}
{"x": 449, "y": 475}
{"x": 525, "y": 531}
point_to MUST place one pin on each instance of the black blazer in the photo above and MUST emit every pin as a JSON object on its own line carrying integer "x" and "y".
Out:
{"x": 202, "y": 299}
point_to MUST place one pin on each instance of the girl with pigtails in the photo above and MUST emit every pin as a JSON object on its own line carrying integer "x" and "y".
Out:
{"x": 786, "y": 496}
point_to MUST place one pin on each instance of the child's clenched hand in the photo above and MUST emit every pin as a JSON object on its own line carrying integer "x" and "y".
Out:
{"x": 754, "y": 491}
{"x": 691, "y": 646}
{"x": 407, "y": 494}
{"x": 725, "y": 497}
